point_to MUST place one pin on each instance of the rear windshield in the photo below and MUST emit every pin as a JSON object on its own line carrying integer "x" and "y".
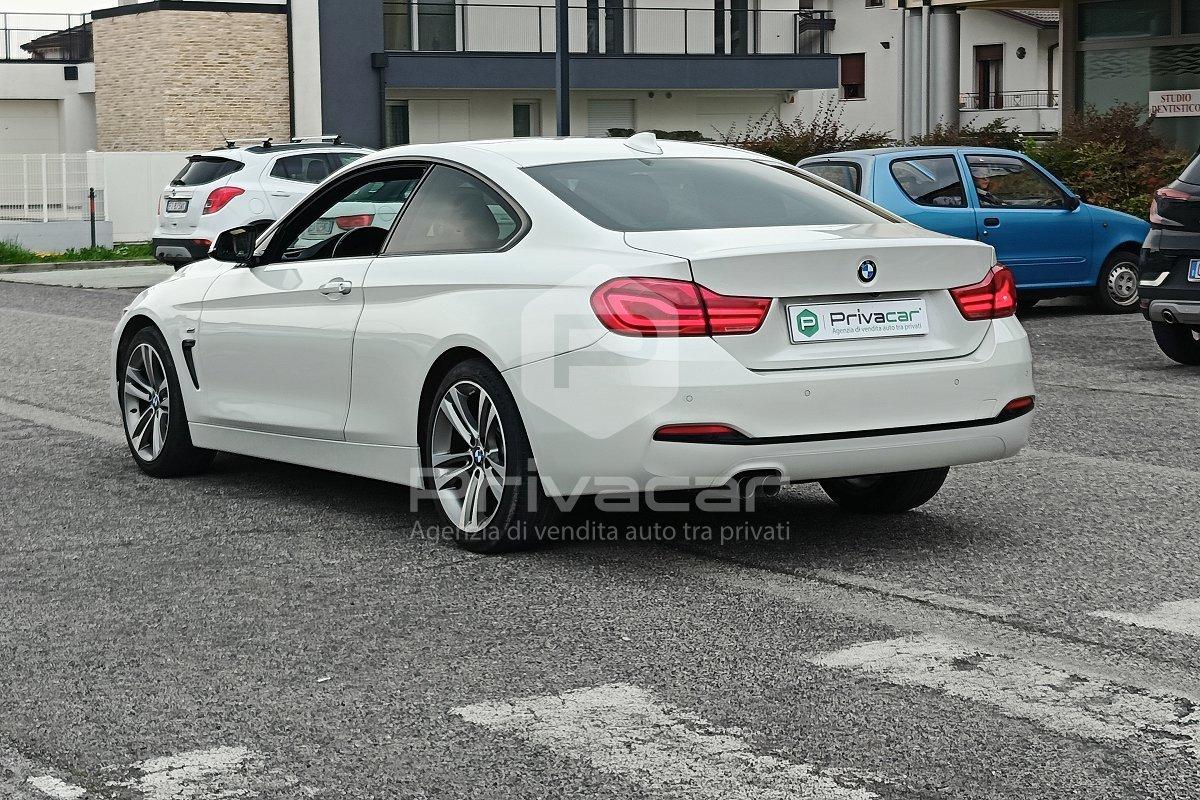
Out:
{"x": 670, "y": 194}
{"x": 205, "y": 169}
{"x": 1192, "y": 173}
{"x": 843, "y": 173}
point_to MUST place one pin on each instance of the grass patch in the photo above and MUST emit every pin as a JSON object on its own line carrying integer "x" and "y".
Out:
{"x": 12, "y": 253}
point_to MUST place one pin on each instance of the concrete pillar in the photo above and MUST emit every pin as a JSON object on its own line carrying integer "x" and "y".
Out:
{"x": 914, "y": 46}
{"x": 945, "y": 44}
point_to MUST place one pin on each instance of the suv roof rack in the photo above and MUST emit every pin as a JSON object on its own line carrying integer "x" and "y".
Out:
{"x": 261, "y": 141}
{"x": 332, "y": 138}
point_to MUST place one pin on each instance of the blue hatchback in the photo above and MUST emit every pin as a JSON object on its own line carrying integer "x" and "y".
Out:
{"x": 1054, "y": 243}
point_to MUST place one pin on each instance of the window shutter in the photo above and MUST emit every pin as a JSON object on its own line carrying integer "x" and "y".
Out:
{"x": 854, "y": 68}
{"x": 605, "y": 114}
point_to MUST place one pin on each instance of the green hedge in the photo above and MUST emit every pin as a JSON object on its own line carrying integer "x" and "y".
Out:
{"x": 1113, "y": 158}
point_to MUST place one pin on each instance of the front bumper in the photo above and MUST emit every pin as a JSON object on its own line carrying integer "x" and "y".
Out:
{"x": 178, "y": 252}
{"x": 591, "y": 414}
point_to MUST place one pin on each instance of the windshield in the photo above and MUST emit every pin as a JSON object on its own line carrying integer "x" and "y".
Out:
{"x": 666, "y": 194}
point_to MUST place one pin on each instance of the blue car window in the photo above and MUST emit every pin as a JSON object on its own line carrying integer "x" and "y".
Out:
{"x": 1008, "y": 182}
{"x": 931, "y": 181}
{"x": 843, "y": 173}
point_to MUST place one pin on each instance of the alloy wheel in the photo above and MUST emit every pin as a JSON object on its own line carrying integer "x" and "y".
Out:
{"x": 468, "y": 456}
{"x": 1123, "y": 283}
{"x": 146, "y": 398}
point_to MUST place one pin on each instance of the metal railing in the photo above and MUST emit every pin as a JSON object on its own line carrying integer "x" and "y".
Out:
{"x": 604, "y": 28}
{"x": 49, "y": 187}
{"x": 45, "y": 37}
{"x": 1009, "y": 101}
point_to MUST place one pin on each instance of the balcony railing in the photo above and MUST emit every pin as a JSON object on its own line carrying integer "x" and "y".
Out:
{"x": 604, "y": 28}
{"x": 45, "y": 37}
{"x": 1009, "y": 101}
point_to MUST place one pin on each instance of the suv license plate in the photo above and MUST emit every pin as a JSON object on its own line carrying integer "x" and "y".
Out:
{"x": 177, "y": 206}
{"x": 877, "y": 319}
{"x": 1194, "y": 270}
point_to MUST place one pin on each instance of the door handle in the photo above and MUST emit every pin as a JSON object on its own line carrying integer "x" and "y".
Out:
{"x": 991, "y": 222}
{"x": 281, "y": 194}
{"x": 336, "y": 288}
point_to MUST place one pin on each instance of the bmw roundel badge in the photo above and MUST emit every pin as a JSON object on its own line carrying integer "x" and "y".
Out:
{"x": 867, "y": 271}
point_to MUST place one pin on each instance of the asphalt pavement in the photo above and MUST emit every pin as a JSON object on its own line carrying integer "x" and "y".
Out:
{"x": 269, "y": 631}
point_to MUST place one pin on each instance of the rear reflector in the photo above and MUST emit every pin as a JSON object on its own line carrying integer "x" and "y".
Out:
{"x": 1016, "y": 408}
{"x": 668, "y": 307}
{"x": 694, "y": 431}
{"x": 992, "y": 298}
{"x": 354, "y": 221}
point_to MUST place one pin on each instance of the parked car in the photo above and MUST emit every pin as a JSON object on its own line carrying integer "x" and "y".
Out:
{"x": 552, "y": 318}
{"x": 237, "y": 185}
{"x": 1054, "y": 243}
{"x": 1170, "y": 284}
{"x": 375, "y": 204}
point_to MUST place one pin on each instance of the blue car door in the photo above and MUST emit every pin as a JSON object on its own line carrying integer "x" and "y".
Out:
{"x": 927, "y": 190}
{"x": 1038, "y": 232}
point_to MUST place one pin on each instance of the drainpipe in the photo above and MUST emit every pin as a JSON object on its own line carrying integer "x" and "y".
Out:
{"x": 379, "y": 63}
{"x": 1050, "y": 51}
{"x": 901, "y": 55}
{"x": 925, "y": 66}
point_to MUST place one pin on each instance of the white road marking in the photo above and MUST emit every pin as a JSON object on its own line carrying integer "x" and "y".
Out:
{"x": 1056, "y": 699}
{"x": 58, "y": 789}
{"x": 111, "y": 434}
{"x": 622, "y": 730}
{"x": 219, "y": 773}
{"x": 1180, "y": 616}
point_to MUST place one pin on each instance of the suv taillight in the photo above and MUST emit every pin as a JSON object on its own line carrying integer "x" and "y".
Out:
{"x": 1165, "y": 194}
{"x": 668, "y": 307}
{"x": 219, "y": 198}
{"x": 992, "y": 298}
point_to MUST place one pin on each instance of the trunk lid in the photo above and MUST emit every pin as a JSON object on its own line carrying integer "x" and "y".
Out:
{"x": 812, "y": 268}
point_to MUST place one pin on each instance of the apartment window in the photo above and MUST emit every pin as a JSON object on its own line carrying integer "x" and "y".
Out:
{"x": 989, "y": 75}
{"x": 397, "y": 123}
{"x": 527, "y": 118}
{"x": 1191, "y": 16}
{"x": 854, "y": 76}
{"x": 604, "y": 115}
{"x": 1116, "y": 19}
{"x": 874, "y": 3}
{"x": 435, "y": 25}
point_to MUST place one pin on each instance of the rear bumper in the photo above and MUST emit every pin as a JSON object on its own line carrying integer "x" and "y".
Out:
{"x": 591, "y": 414}
{"x": 1184, "y": 312}
{"x": 178, "y": 251}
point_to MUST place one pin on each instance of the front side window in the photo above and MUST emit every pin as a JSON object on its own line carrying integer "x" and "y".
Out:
{"x": 843, "y": 173}
{"x": 931, "y": 181}
{"x": 351, "y": 219}
{"x": 665, "y": 194}
{"x": 306, "y": 168}
{"x": 1005, "y": 182}
{"x": 453, "y": 212}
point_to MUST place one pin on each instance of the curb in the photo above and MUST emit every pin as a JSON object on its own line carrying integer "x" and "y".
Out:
{"x": 50, "y": 266}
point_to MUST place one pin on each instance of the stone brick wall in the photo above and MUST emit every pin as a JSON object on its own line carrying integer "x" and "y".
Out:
{"x": 184, "y": 80}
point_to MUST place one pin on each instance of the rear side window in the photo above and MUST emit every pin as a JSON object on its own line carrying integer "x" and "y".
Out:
{"x": 843, "y": 173}
{"x": 306, "y": 168}
{"x": 342, "y": 159}
{"x": 1192, "y": 173}
{"x": 453, "y": 212}
{"x": 667, "y": 194}
{"x": 931, "y": 181}
{"x": 201, "y": 170}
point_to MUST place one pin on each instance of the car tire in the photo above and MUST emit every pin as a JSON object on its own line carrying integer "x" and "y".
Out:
{"x": 886, "y": 494}
{"x": 1117, "y": 288}
{"x": 1178, "y": 342}
{"x": 152, "y": 411}
{"x": 465, "y": 452}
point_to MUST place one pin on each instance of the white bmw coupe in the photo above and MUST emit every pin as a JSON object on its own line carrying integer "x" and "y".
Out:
{"x": 552, "y": 318}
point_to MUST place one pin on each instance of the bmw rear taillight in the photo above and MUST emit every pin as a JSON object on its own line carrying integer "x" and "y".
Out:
{"x": 219, "y": 198}
{"x": 354, "y": 221}
{"x": 668, "y": 307}
{"x": 992, "y": 298}
{"x": 1167, "y": 195}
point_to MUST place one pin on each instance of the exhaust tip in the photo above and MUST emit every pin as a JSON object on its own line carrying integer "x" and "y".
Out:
{"x": 767, "y": 482}
{"x": 1169, "y": 316}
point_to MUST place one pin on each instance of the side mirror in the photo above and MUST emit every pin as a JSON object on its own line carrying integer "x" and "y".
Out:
{"x": 237, "y": 245}
{"x": 1073, "y": 202}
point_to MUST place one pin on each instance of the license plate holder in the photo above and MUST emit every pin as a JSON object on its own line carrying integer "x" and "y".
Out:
{"x": 177, "y": 206}
{"x": 854, "y": 321}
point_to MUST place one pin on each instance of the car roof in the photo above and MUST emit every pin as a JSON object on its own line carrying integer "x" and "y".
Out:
{"x": 300, "y": 148}
{"x": 914, "y": 150}
{"x": 534, "y": 151}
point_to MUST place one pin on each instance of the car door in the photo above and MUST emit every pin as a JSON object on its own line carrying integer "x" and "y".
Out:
{"x": 289, "y": 178}
{"x": 274, "y": 342}
{"x": 1038, "y": 230}
{"x": 927, "y": 190}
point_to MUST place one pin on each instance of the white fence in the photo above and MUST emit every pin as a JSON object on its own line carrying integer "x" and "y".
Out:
{"x": 57, "y": 188}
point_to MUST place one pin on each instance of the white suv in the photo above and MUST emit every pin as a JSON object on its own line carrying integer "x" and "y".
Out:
{"x": 237, "y": 185}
